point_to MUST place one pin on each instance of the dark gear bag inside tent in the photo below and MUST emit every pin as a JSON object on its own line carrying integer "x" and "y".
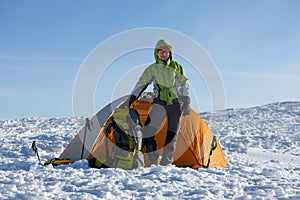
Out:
{"x": 124, "y": 131}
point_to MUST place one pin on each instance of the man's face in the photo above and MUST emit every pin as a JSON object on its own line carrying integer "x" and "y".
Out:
{"x": 163, "y": 54}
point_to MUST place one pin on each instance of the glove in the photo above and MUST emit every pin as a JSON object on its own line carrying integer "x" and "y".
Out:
{"x": 128, "y": 102}
{"x": 185, "y": 108}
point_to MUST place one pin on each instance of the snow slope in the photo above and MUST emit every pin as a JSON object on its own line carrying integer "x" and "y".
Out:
{"x": 261, "y": 144}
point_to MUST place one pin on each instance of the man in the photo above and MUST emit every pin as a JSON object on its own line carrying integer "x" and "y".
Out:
{"x": 171, "y": 100}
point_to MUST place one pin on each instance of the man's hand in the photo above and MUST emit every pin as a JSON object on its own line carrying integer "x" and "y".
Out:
{"x": 185, "y": 108}
{"x": 127, "y": 103}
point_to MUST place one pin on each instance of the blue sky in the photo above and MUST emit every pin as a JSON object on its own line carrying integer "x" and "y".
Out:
{"x": 254, "y": 44}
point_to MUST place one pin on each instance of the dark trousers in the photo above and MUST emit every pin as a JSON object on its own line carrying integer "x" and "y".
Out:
{"x": 157, "y": 114}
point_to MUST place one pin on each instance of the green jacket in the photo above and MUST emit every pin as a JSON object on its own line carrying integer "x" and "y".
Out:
{"x": 168, "y": 78}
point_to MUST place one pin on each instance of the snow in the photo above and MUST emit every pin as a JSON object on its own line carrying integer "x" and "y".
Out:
{"x": 261, "y": 144}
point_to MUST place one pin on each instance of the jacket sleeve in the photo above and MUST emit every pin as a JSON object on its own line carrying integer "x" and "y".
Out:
{"x": 183, "y": 91}
{"x": 143, "y": 82}
{"x": 181, "y": 82}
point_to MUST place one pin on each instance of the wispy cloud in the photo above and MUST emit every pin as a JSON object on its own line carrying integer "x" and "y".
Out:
{"x": 263, "y": 75}
{"x": 38, "y": 58}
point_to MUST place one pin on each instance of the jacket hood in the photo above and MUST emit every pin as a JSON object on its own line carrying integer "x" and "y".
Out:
{"x": 159, "y": 44}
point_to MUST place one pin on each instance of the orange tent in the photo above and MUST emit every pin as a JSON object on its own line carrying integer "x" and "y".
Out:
{"x": 196, "y": 144}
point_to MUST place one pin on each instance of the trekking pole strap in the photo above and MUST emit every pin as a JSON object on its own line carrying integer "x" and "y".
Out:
{"x": 34, "y": 148}
{"x": 213, "y": 147}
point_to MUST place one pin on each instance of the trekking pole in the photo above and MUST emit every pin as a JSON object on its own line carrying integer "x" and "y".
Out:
{"x": 34, "y": 148}
{"x": 88, "y": 124}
